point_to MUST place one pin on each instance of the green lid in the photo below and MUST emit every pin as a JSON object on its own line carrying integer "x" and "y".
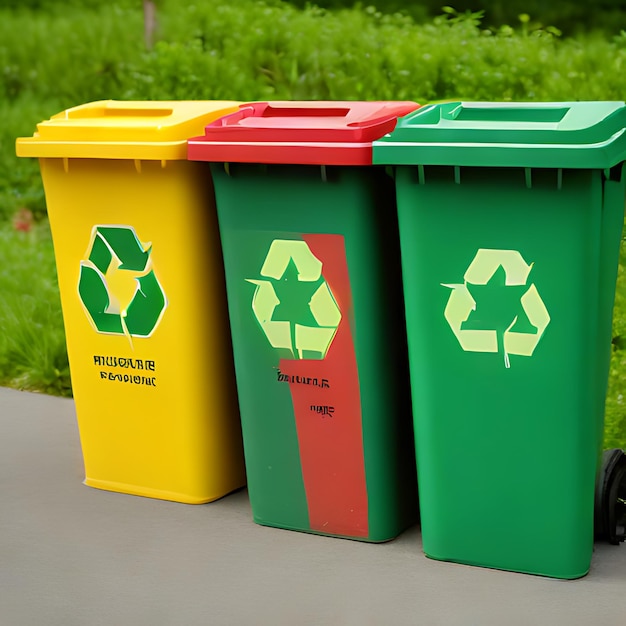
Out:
{"x": 513, "y": 134}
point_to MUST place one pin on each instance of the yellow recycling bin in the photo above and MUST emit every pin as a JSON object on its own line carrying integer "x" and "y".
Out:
{"x": 142, "y": 291}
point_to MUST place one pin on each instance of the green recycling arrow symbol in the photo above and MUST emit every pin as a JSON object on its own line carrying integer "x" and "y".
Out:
{"x": 461, "y": 304}
{"x": 291, "y": 335}
{"x": 115, "y": 249}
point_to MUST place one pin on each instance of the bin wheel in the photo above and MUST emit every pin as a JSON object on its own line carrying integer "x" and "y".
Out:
{"x": 610, "y": 504}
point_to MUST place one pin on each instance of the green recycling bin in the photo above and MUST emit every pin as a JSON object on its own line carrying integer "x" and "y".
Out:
{"x": 312, "y": 264}
{"x": 510, "y": 217}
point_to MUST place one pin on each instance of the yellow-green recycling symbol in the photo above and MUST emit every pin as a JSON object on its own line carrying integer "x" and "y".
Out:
{"x": 462, "y": 304}
{"x": 312, "y": 320}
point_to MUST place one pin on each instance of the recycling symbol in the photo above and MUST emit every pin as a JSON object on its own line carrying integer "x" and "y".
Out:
{"x": 117, "y": 285}
{"x": 303, "y": 338}
{"x": 461, "y": 304}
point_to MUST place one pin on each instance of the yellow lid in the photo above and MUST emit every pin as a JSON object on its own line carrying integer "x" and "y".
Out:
{"x": 111, "y": 129}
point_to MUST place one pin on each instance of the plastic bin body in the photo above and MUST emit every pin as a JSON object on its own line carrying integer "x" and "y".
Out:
{"x": 314, "y": 290}
{"x": 509, "y": 279}
{"x": 141, "y": 282}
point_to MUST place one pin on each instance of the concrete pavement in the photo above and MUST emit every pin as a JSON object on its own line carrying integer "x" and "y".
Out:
{"x": 71, "y": 555}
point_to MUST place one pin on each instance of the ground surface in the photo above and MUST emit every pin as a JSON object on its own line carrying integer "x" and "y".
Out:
{"x": 75, "y": 556}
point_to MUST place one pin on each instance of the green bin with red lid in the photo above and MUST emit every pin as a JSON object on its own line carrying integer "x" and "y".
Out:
{"x": 312, "y": 264}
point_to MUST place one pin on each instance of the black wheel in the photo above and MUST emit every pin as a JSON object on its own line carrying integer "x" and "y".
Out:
{"x": 610, "y": 505}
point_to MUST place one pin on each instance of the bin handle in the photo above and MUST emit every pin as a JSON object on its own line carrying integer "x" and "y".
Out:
{"x": 114, "y": 108}
{"x": 298, "y": 110}
{"x": 501, "y": 112}
{"x": 266, "y": 110}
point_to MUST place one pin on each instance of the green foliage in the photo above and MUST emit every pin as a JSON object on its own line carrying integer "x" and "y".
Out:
{"x": 249, "y": 50}
{"x": 68, "y": 57}
{"x": 571, "y": 16}
{"x": 213, "y": 50}
{"x": 615, "y": 411}
{"x": 20, "y": 183}
{"x": 32, "y": 343}
{"x": 284, "y": 53}
{"x": 57, "y": 6}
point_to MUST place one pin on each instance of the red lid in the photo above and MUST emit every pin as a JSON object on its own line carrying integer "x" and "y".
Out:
{"x": 305, "y": 132}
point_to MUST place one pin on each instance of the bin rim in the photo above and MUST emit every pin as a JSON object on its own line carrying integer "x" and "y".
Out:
{"x": 152, "y": 151}
{"x": 314, "y": 132}
{"x": 119, "y": 129}
{"x": 578, "y": 135}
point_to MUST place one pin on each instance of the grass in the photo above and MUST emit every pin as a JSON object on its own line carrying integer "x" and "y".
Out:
{"x": 615, "y": 410}
{"x": 32, "y": 342}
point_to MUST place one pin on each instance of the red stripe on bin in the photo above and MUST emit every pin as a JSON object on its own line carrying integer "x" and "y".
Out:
{"x": 328, "y": 418}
